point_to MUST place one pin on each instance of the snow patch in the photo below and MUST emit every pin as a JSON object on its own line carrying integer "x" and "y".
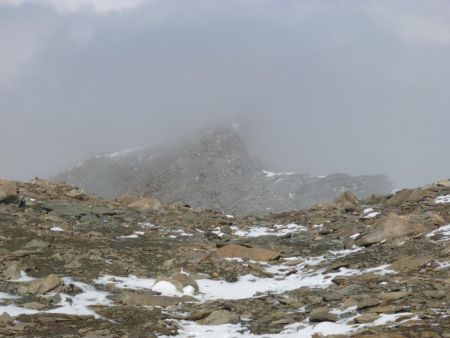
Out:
{"x": 442, "y": 199}
{"x": 277, "y": 230}
{"x": 271, "y": 174}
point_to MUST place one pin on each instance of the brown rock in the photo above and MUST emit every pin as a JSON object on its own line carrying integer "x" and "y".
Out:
{"x": 366, "y": 302}
{"x": 392, "y": 227}
{"x": 8, "y": 191}
{"x": 392, "y": 296}
{"x": 408, "y": 196}
{"x": 386, "y": 309}
{"x": 5, "y": 318}
{"x": 255, "y": 254}
{"x": 366, "y": 318}
{"x": 322, "y": 315}
{"x": 409, "y": 263}
{"x": 347, "y": 201}
{"x": 43, "y": 286}
{"x": 34, "y": 306}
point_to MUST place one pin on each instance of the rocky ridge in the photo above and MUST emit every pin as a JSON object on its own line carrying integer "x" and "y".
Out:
{"x": 74, "y": 265}
{"x": 213, "y": 170}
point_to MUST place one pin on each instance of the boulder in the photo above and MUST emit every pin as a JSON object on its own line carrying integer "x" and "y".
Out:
{"x": 346, "y": 201}
{"x": 5, "y": 318}
{"x": 366, "y": 318}
{"x": 42, "y": 286}
{"x": 220, "y": 317}
{"x": 8, "y": 192}
{"x": 408, "y": 196}
{"x": 255, "y": 254}
{"x": 322, "y": 315}
{"x": 409, "y": 263}
{"x": 392, "y": 227}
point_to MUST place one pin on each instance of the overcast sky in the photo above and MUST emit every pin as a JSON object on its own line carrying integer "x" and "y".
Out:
{"x": 321, "y": 86}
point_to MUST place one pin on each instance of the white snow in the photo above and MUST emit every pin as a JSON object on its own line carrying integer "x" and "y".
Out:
{"x": 5, "y": 296}
{"x": 277, "y": 230}
{"x": 74, "y": 305}
{"x": 23, "y": 277}
{"x": 79, "y": 304}
{"x": 442, "y": 199}
{"x": 129, "y": 236}
{"x": 271, "y": 174}
{"x": 57, "y": 229}
{"x": 249, "y": 286}
{"x": 345, "y": 252}
{"x": 370, "y": 213}
{"x": 444, "y": 231}
{"x": 121, "y": 153}
{"x": 303, "y": 329}
{"x": 135, "y": 234}
{"x": 354, "y": 236}
{"x": 133, "y": 282}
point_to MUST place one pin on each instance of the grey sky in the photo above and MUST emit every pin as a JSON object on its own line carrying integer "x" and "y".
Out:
{"x": 322, "y": 86}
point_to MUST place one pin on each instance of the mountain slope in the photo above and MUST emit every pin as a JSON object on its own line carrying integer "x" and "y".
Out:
{"x": 212, "y": 170}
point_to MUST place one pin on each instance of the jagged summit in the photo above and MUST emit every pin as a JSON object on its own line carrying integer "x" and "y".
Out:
{"x": 212, "y": 169}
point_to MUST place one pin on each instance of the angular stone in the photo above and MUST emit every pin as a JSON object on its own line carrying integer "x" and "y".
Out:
{"x": 366, "y": 318}
{"x": 392, "y": 227}
{"x": 5, "y": 318}
{"x": 367, "y": 301}
{"x": 322, "y": 315}
{"x": 255, "y": 254}
{"x": 408, "y": 196}
{"x": 43, "y": 286}
{"x": 409, "y": 263}
{"x": 347, "y": 201}
{"x": 392, "y": 296}
{"x": 34, "y": 306}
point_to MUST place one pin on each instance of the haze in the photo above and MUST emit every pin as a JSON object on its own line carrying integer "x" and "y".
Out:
{"x": 318, "y": 87}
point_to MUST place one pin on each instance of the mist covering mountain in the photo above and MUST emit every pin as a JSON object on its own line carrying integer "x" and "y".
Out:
{"x": 213, "y": 169}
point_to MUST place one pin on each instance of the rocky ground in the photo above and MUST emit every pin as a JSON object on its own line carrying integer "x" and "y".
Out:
{"x": 74, "y": 265}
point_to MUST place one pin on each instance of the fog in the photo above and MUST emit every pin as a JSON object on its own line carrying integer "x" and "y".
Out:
{"x": 317, "y": 86}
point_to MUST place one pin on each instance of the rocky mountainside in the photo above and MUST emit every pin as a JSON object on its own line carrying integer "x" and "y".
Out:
{"x": 73, "y": 265}
{"x": 212, "y": 170}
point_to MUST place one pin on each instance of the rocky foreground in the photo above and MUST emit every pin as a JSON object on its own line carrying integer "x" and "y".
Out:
{"x": 73, "y": 265}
